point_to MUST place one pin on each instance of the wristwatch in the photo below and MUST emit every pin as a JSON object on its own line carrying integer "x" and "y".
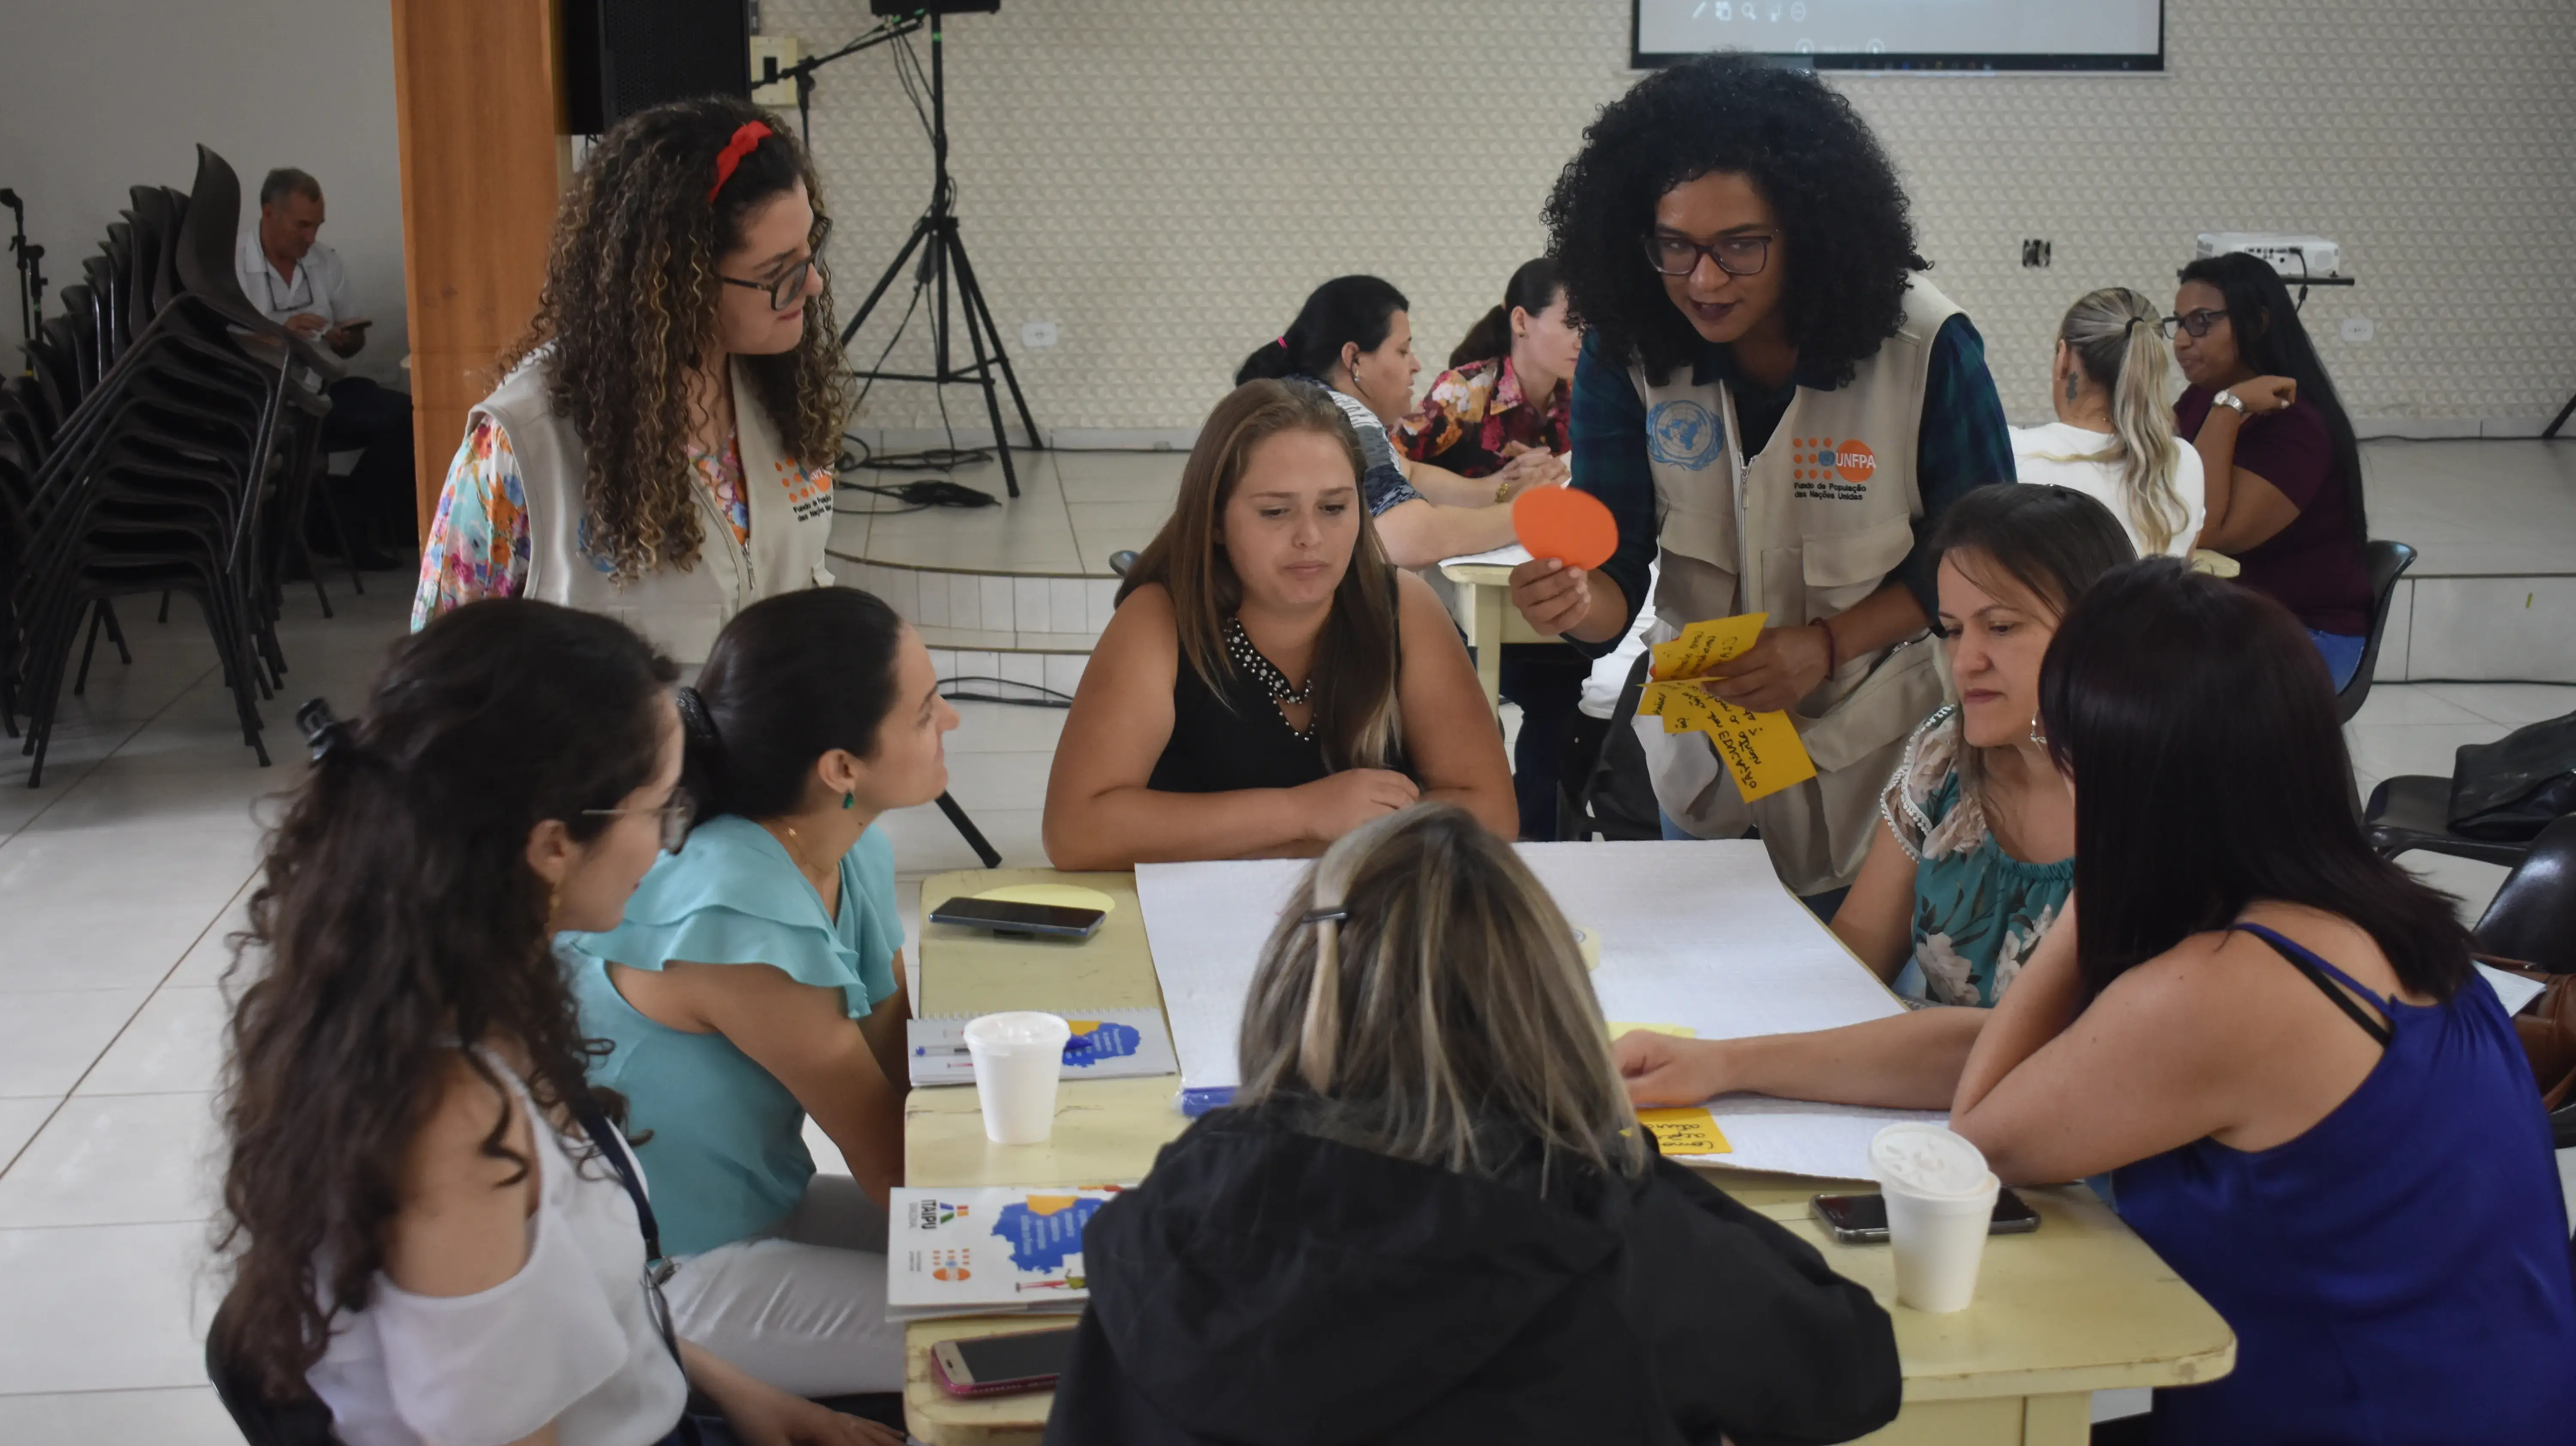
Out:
{"x": 2230, "y": 400}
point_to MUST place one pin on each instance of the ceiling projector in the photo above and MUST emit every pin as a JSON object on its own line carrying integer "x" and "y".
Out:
{"x": 2291, "y": 255}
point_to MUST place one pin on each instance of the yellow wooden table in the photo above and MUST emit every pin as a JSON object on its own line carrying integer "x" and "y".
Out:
{"x": 1483, "y": 606}
{"x": 2080, "y": 1305}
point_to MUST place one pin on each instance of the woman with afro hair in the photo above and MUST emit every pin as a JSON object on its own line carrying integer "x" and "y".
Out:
{"x": 661, "y": 444}
{"x": 1774, "y": 399}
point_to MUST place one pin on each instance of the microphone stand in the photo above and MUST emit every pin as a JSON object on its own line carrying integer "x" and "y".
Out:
{"x": 802, "y": 72}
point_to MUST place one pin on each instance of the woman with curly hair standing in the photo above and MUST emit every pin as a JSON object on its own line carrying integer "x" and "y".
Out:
{"x": 1774, "y": 399}
{"x": 660, "y": 447}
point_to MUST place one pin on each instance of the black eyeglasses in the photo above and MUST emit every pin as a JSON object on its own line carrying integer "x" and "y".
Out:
{"x": 1735, "y": 255}
{"x": 788, "y": 292}
{"x": 2198, "y": 322}
{"x": 677, "y": 814}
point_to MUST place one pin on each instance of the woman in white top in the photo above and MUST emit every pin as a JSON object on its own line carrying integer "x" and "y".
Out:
{"x": 426, "y": 1226}
{"x": 2113, "y": 439}
{"x": 660, "y": 447}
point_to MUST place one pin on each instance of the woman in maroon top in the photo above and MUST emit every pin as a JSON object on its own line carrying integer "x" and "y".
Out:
{"x": 2283, "y": 471}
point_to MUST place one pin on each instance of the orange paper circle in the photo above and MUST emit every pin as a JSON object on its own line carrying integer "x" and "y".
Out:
{"x": 1562, "y": 523}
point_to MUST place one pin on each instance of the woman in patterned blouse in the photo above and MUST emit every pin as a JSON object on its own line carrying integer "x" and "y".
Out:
{"x": 1973, "y": 861}
{"x": 1505, "y": 393}
{"x": 669, "y": 422}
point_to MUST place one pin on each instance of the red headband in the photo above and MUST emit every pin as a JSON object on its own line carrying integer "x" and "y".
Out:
{"x": 746, "y": 139}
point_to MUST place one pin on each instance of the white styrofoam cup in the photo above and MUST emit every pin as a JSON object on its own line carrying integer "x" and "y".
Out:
{"x": 1940, "y": 1201}
{"x": 1018, "y": 1058}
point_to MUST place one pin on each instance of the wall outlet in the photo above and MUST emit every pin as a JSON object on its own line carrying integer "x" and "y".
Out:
{"x": 2359, "y": 328}
{"x": 1037, "y": 335}
{"x": 2036, "y": 253}
{"x": 784, "y": 49}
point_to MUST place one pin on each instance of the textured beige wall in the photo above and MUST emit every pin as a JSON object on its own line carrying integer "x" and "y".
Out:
{"x": 1165, "y": 179}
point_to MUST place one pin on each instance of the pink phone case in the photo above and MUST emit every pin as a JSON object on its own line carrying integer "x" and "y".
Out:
{"x": 1020, "y": 1386}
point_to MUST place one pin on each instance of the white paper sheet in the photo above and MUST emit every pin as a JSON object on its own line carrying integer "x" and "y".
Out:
{"x": 1699, "y": 934}
{"x": 2512, "y": 990}
{"x": 1509, "y": 556}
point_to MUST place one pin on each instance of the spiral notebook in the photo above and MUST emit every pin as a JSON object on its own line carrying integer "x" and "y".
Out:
{"x": 1106, "y": 1044}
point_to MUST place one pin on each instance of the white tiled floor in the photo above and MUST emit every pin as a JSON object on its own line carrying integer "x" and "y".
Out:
{"x": 121, "y": 876}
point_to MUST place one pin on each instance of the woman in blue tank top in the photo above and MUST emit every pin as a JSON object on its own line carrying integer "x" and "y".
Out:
{"x": 2273, "y": 1039}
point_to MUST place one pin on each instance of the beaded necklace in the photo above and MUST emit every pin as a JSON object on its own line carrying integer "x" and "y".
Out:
{"x": 1238, "y": 645}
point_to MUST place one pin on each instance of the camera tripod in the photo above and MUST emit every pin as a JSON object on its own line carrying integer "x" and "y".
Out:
{"x": 943, "y": 257}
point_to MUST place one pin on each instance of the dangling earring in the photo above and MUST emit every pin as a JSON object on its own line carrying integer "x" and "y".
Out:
{"x": 2070, "y": 386}
{"x": 2038, "y": 739}
{"x": 850, "y": 799}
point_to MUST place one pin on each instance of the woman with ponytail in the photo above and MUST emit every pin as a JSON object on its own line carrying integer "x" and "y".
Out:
{"x": 1505, "y": 394}
{"x": 1354, "y": 339}
{"x": 2113, "y": 439}
{"x": 1430, "y": 1215}
{"x": 431, "y": 1220}
{"x": 758, "y": 979}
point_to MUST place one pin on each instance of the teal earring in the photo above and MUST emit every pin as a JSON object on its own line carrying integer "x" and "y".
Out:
{"x": 850, "y": 799}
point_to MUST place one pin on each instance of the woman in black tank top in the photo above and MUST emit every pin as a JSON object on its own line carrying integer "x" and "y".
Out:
{"x": 1269, "y": 682}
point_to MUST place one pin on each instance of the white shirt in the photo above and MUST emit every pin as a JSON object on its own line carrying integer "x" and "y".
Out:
{"x": 2036, "y": 454}
{"x": 570, "y": 1339}
{"x": 320, "y": 284}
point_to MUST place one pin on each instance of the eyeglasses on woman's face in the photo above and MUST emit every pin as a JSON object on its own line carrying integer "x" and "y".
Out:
{"x": 786, "y": 291}
{"x": 2196, "y": 322}
{"x": 677, "y": 813}
{"x": 1677, "y": 255}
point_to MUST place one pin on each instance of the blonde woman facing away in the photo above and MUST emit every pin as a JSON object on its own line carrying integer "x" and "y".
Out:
{"x": 2113, "y": 439}
{"x": 1430, "y": 1216}
{"x": 660, "y": 447}
{"x": 1269, "y": 682}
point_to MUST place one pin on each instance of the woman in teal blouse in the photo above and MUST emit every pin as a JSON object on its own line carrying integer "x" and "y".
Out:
{"x": 757, "y": 979}
{"x": 1974, "y": 858}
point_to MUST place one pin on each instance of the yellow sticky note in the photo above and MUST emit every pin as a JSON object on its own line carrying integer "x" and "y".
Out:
{"x": 1762, "y": 750}
{"x": 1688, "y": 1131}
{"x": 1677, "y": 1031}
{"x": 1703, "y": 645}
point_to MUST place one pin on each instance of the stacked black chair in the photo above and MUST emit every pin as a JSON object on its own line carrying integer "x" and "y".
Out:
{"x": 163, "y": 443}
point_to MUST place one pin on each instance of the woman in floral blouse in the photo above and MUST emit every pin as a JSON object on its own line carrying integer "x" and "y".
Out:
{"x": 1974, "y": 859}
{"x": 1505, "y": 393}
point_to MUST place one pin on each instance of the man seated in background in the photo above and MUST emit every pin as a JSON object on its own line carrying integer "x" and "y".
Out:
{"x": 297, "y": 281}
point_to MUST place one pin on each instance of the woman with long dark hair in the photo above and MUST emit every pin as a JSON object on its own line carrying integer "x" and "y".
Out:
{"x": 1505, "y": 392}
{"x": 661, "y": 444}
{"x": 1354, "y": 339}
{"x": 1429, "y": 1215}
{"x": 1269, "y": 682}
{"x": 1773, "y": 399}
{"x": 429, "y": 1216}
{"x": 2273, "y": 1038}
{"x": 757, "y": 981}
{"x": 2277, "y": 452}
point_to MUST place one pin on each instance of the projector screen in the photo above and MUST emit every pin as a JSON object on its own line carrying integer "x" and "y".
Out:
{"x": 1910, "y": 34}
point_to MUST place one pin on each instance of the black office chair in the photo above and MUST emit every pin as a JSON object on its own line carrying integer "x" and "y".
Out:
{"x": 2386, "y": 561}
{"x": 1601, "y": 782}
{"x": 262, "y": 1422}
{"x": 2533, "y": 915}
{"x": 2413, "y": 811}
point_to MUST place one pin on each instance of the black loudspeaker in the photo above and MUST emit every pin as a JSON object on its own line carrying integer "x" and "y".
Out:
{"x": 622, "y": 56}
{"x": 897, "y": 9}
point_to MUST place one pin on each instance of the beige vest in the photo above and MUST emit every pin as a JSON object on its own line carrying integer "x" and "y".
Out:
{"x": 678, "y": 611}
{"x": 1803, "y": 531}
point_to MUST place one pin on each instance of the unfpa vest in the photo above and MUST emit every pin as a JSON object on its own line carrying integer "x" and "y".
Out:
{"x": 1813, "y": 524}
{"x": 678, "y": 610}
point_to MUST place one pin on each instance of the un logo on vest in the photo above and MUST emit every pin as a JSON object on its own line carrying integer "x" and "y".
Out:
{"x": 1683, "y": 433}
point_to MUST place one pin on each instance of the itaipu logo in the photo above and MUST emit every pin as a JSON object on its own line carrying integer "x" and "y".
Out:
{"x": 1683, "y": 433}
{"x": 1821, "y": 459}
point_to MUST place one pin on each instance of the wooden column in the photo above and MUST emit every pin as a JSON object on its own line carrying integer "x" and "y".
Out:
{"x": 478, "y": 92}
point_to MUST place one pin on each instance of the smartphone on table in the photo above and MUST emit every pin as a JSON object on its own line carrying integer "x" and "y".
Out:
{"x": 1002, "y": 1365}
{"x": 1862, "y": 1219}
{"x": 1004, "y": 917}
